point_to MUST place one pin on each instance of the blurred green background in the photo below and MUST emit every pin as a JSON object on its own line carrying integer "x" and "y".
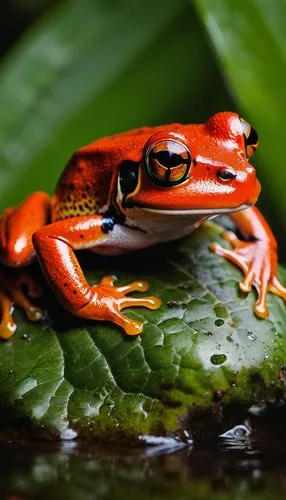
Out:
{"x": 73, "y": 71}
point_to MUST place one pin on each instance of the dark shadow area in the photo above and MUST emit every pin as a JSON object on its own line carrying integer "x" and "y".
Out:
{"x": 241, "y": 466}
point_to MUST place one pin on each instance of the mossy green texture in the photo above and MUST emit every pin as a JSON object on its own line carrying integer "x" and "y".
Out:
{"x": 203, "y": 342}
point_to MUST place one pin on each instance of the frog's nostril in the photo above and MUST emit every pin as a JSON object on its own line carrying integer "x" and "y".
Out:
{"x": 227, "y": 174}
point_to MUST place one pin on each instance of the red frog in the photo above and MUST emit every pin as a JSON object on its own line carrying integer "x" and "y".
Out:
{"x": 130, "y": 191}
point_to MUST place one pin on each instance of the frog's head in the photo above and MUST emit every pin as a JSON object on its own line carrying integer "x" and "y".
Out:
{"x": 193, "y": 169}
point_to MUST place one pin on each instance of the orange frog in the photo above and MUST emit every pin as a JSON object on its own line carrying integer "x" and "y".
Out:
{"x": 130, "y": 191}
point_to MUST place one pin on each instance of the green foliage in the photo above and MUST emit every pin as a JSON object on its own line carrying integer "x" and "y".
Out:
{"x": 249, "y": 39}
{"x": 205, "y": 338}
{"x": 93, "y": 68}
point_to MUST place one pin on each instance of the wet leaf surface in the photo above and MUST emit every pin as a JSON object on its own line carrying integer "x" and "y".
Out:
{"x": 201, "y": 353}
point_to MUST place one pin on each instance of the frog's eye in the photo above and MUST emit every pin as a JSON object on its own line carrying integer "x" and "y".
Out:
{"x": 168, "y": 162}
{"x": 250, "y": 138}
{"x": 128, "y": 177}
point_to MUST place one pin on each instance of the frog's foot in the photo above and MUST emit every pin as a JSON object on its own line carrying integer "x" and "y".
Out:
{"x": 108, "y": 301}
{"x": 11, "y": 294}
{"x": 257, "y": 260}
{"x": 7, "y": 324}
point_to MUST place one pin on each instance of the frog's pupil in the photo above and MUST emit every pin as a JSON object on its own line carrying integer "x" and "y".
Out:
{"x": 169, "y": 159}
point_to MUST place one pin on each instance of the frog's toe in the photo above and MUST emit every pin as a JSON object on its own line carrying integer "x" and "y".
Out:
{"x": 109, "y": 300}
{"x": 130, "y": 326}
{"x": 34, "y": 313}
{"x": 231, "y": 237}
{"x": 107, "y": 280}
{"x": 135, "y": 286}
{"x": 19, "y": 299}
{"x": 278, "y": 289}
{"x": 7, "y": 324}
{"x": 231, "y": 255}
{"x": 149, "y": 302}
{"x": 260, "y": 307}
{"x": 246, "y": 284}
{"x": 11, "y": 294}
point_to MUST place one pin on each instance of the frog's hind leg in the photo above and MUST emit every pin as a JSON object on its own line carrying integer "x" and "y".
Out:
{"x": 11, "y": 294}
{"x": 17, "y": 225}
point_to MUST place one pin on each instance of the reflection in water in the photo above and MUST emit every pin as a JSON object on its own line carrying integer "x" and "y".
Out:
{"x": 76, "y": 471}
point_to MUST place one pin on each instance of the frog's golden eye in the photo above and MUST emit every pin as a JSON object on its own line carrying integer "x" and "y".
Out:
{"x": 168, "y": 162}
{"x": 250, "y": 138}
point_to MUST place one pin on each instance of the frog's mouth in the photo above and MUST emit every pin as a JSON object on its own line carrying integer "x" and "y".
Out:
{"x": 197, "y": 211}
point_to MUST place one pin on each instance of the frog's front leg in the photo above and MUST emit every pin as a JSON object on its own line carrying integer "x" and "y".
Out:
{"x": 55, "y": 245}
{"x": 257, "y": 257}
{"x": 16, "y": 250}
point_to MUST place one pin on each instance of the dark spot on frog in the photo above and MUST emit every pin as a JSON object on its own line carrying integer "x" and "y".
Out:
{"x": 74, "y": 292}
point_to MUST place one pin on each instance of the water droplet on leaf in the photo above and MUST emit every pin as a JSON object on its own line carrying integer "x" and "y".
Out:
{"x": 219, "y": 322}
{"x": 218, "y": 359}
{"x": 251, "y": 336}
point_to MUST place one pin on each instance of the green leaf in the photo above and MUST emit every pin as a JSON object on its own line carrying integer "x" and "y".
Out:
{"x": 249, "y": 38}
{"x": 67, "y": 376}
{"x": 91, "y": 69}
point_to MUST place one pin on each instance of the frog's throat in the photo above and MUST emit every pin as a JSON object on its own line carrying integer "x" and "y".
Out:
{"x": 198, "y": 211}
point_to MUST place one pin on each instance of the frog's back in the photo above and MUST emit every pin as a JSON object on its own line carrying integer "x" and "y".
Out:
{"x": 90, "y": 176}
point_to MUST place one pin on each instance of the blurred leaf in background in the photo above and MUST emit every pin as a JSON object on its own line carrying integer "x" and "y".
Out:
{"x": 93, "y": 68}
{"x": 249, "y": 38}
{"x": 96, "y": 67}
